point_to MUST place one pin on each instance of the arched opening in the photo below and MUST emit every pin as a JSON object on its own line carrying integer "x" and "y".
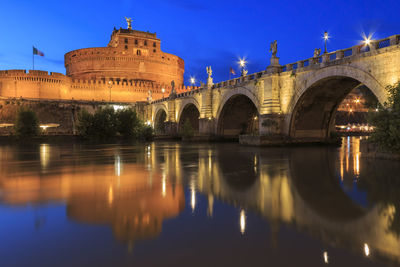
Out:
{"x": 189, "y": 118}
{"x": 313, "y": 118}
{"x": 238, "y": 116}
{"x": 159, "y": 122}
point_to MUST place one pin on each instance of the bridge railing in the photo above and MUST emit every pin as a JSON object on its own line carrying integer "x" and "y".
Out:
{"x": 338, "y": 55}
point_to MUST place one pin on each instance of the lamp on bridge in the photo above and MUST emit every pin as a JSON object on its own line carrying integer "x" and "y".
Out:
{"x": 192, "y": 81}
{"x": 242, "y": 64}
{"x": 163, "y": 91}
{"x": 326, "y": 37}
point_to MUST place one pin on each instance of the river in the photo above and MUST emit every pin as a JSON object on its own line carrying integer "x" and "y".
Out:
{"x": 197, "y": 204}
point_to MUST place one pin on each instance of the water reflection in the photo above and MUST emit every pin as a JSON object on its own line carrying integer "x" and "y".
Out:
{"x": 332, "y": 195}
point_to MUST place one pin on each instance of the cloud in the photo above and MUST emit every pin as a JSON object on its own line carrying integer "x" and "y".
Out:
{"x": 188, "y": 4}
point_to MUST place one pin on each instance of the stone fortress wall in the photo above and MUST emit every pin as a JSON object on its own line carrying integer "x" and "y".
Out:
{"x": 130, "y": 55}
{"x": 131, "y": 69}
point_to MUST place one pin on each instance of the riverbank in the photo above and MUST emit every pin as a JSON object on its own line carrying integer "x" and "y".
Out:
{"x": 370, "y": 150}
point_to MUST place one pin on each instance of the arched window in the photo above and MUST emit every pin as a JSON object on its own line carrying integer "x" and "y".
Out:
{"x": 138, "y": 52}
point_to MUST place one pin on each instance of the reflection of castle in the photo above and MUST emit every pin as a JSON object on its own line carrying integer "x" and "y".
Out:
{"x": 131, "y": 68}
{"x": 133, "y": 200}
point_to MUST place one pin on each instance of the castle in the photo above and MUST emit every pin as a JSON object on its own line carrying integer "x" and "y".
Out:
{"x": 130, "y": 69}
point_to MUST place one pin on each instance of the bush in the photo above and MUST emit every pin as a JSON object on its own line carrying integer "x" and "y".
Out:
{"x": 386, "y": 122}
{"x": 26, "y": 123}
{"x": 106, "y": 124}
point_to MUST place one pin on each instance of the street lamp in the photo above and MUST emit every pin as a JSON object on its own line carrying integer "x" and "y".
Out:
{"x": 242, "y": 64}
{"x": 109, "y": 87}
{"x": 163, "y": 91}
{"x": 192, "y": 81}
{"x": 326, "y": 37}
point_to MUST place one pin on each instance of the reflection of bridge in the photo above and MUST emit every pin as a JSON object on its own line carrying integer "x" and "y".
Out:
{"x": 298, "y": 189}
{"x": 297, "y": 100}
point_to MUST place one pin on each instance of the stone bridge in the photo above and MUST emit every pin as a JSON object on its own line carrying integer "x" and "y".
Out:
{"x": 296, "y": 102}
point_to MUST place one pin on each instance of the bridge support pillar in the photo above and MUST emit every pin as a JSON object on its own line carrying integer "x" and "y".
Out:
{"x": 207, "y": 126}
{"x": 270, "y": 132}
{"x": 171, "y": 128}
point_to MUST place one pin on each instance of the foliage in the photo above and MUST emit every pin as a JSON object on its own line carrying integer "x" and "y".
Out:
{"x": 187, "y": 129}
{"x": 386, "y": 122}
{"x": 105, "y": 124}
{"x": 26, "y": 123}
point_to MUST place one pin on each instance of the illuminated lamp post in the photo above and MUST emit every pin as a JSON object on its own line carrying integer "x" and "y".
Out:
{"x": 326, "y": 37}
{"x": 242, "y": 64}
{"x": 192, "y": 81}
{"x": 163, "y": 91}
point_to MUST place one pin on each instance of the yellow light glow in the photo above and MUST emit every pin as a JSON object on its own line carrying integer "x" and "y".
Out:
{"x": 44, "y": 155}
{"x": 164, "y": 185}
{"x": 242, "y": 222}
{"x": 193, "y": 199}
{"x": 110, "y": 195}
{"x": 326, "y": 259}
{"x": 192, "y": 80}
{"x": 366, "y": 249}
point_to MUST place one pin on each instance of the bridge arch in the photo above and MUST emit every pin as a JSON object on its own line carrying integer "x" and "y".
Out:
{"x": 312, "y": 109}
{"x": 160, "y": 115}
{"x": 189, "y": 111}
{"x": 238, "y": 113}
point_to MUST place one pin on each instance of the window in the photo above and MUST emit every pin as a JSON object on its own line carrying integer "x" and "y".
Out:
{"x": 145, "y": 43}
{"x": 154, "y": 44}
{"x": 126, "y": 47}
{"x": 154, "y": 50}
{"x": 126, "y": 40}
{"x": 138, "y": 52}
{"x": 136, "y": 41}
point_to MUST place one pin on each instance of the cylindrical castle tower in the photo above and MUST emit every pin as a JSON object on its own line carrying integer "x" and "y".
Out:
{"x": 131, "y": 55}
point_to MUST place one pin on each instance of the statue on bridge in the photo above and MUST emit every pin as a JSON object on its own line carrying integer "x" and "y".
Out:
{"x": 273, "y": 48}
{"x": 317, "y": 52}
{"x": 150, "y": 97}
{"x": 209, "y": 79}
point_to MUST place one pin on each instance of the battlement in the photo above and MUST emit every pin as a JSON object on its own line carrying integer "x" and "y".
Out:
{"x": 135, "y": 33}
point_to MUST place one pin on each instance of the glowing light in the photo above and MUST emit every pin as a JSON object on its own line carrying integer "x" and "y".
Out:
{"x": 164, "y": 185}
{"x": 255, "y": 117}
{"x": 376, "y": 110}
{"x": 326, "y": 259}
{"x": 44, "y": 155}
{"x": 351, "y": 110}
{"x": 118, "y": 107}
{"x": 193, "y": 199}
{"x": 117, "y": 165}
{"x": 209, "y": 118}
{"x": 357, "y": 100}
{"x": 242, "y": 222}
{"x": 242, "y": 62}
{"x": 148, "y": 123}
{"x": 366, "y": 249}
{"x": 326, "y": 36}
{"x": 367, "y": 39}
{"x": 192, "y": 80}
{"x": 163, "y": 90}
{"x": 110, "y": 195}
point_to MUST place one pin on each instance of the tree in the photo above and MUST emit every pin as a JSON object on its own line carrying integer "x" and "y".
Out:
{"x": 26, "y": 123}
{"x": 127, "y": 122}
{"x": 386, "y": 121}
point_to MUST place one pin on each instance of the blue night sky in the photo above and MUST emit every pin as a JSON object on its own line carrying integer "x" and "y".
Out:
{"x": 203, "y": 33}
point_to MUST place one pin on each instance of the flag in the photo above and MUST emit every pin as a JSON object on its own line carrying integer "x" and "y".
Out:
{"x": 37, "y": 52}
{"x": 232, "y": 71}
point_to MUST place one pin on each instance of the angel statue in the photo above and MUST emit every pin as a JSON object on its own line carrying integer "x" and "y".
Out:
{"x": 209, "y": 71}
{"x": 317, "y": 52}
{"x": 129, "y": 22}
{"x": 273, "y": 48}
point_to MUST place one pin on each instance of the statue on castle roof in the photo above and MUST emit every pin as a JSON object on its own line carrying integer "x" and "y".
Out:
{"x": 274, "y": 48}
{"x": 129, "y": 22}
